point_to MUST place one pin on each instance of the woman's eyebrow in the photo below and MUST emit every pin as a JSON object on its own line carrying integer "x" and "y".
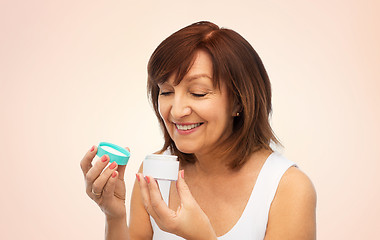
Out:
{"x": 163, "y": 84}
{"x": 188, "y": 79}
{"x": 197, "y": 76}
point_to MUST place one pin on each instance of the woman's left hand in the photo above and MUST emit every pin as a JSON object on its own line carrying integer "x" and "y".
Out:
{"x": 189, "y": 221}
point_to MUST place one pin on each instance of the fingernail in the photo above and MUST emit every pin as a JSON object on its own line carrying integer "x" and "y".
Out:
{"x": 92, "y": 148}
{"x": 138, "y": 177}
{"x": 113, "y": 165}
{"x": 114, "y": 174}
{"x": 104, "y": 158}
{"x": 147, "y": 179}
{"x": 183, "y": 174}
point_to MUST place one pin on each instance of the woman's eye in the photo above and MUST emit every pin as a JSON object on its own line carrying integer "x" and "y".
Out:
{"x": 165, "y": 93}
{"x": 199, "y": 94}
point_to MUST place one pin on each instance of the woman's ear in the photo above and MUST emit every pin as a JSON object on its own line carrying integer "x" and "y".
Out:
{"x": 236, "y": 110}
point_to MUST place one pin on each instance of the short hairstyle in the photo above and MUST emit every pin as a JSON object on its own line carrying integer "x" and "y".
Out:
{"x": 235, "y": 63}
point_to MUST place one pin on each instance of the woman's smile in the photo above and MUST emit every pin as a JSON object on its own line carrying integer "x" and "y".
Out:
{"x": 187, "y": 128}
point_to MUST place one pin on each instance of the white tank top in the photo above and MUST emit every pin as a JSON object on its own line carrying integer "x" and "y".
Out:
{"x": 252, "y": 223}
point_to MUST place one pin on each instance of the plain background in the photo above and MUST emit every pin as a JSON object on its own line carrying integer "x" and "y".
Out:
{"x": 73, "y": 73}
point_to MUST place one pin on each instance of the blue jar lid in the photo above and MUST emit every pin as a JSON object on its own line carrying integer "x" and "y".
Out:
{"x": 117, "y": 154}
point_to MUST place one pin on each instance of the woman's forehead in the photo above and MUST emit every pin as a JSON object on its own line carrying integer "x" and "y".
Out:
{"x": 200, "y": 68}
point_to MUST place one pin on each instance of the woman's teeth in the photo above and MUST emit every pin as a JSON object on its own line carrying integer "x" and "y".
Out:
{"x": 187, "y": 127}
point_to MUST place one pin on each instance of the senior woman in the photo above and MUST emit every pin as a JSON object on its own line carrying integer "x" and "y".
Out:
{"x": 212, "y": 97}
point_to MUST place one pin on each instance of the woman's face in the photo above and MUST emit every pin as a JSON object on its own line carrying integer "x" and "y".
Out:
{"x": 196, "y": 114}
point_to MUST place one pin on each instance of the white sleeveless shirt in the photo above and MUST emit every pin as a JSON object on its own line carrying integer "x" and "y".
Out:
{"x": 252, "y": 223}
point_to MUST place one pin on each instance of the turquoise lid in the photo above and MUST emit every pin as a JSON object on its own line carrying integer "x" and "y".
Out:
{"x": 117, "y": 154}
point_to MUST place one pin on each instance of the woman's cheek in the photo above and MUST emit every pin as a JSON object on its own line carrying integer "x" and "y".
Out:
{"x": 164, "y": 113}
{"x": 161, "y": 109}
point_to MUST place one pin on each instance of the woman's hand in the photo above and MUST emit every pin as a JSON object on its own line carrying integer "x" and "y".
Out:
{"x": 104, "y": 184}
{"x": 189, "y": 221}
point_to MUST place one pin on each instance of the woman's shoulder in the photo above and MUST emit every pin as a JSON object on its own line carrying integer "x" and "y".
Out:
{"x": 293, "y": 178}
{"x": 294, "y": 181}
{"x": 294, "y": 205}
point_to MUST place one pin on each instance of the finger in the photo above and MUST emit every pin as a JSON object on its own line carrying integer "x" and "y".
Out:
{"x": 183, "y": 190}
{"x": 109, "y": 188}
{"x": 101, "y": 181}
{"x": 85, "y": 163}
{"x": 144, "y": 190}
{"x": 157, "y": 203}
{"x": 94, "y": 173}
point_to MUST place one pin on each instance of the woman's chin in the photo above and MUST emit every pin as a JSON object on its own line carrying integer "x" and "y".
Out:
{"x": 185, "y": 149}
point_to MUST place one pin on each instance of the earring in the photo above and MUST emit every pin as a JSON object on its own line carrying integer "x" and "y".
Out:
{"x": 237, "y": 114}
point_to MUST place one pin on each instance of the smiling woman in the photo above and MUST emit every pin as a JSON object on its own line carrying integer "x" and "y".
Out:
{"x": 231, "y": 64}
{"x": 212, "y": 97}
{"x": 188, "y": 109}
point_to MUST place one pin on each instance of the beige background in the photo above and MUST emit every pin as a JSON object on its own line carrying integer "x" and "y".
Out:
{"x": 73, "y": 73}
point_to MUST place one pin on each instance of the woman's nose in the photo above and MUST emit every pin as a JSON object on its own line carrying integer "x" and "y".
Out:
{"x": 180, "y": 108}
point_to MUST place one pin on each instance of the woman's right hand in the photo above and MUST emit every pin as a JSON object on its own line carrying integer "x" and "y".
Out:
{"x": 104, "y": 184}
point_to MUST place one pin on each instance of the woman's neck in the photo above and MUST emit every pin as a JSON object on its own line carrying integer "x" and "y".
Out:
{"x": 211, "y": 165}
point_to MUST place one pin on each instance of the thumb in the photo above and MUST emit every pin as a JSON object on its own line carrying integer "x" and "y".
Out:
{"x": 121, "y": 168}
{"x": 183, "y": 190}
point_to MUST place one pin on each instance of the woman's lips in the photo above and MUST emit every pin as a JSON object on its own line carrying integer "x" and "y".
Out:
{"x": 187, "y": 128}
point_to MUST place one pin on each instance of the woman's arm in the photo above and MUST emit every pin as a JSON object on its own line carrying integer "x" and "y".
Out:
{"x": 116, "y": 229}
{"x": 139, "y": 221}
{"x": 293, "y": 211}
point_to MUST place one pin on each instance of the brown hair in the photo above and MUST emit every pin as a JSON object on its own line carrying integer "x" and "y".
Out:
{"x": 235, "y": 63}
